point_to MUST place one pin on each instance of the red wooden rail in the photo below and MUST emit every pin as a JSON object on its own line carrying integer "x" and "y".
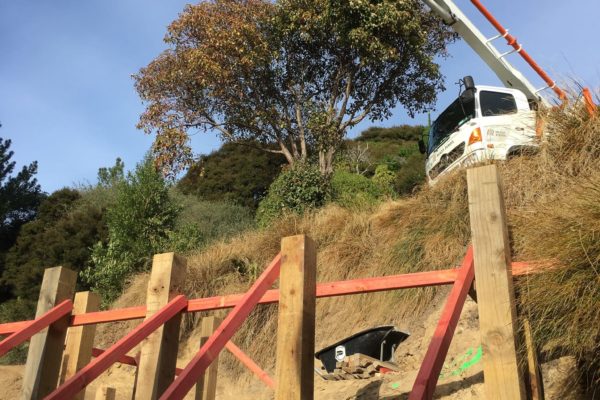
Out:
{"x": 329, "y": 289}
{"x": 233, "y": 349}
{"x": 215, "y": 343}
{"x": 250, "y": 364}
{"x": 243, "y": 304}
{"x": 127, "y": 360}
{"x": 101, "y": 363}
{"x": 433, "y": 361}
{"x": 33, "y": 327}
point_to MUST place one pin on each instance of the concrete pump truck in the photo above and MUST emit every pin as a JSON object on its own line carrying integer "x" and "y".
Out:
{"x": 486, "y": 122}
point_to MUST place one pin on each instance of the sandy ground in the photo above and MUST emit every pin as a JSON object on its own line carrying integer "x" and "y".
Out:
{"x": 461, "y": 378}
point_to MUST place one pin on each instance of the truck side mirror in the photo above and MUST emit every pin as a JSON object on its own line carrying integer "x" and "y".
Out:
{"x": 422, "y": 147}
{"x": 467, "y": 95}
{"x": 469, "y": 83}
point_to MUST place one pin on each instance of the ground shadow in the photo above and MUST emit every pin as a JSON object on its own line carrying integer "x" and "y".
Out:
{"x": 371, "y": 391}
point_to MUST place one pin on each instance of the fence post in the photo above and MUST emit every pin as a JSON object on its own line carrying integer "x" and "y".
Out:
{"x": 46, "y": 347}
{"x": 495, "y": 294}
{"x": 106, "y": 393}
{"x": 80, "y": 339}
{"x": 158, "y": 357}
{"x": 206, "y": 388}
{"x": 296, "y": 323}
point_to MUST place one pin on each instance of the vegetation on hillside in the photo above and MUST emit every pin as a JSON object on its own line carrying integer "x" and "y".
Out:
{"x": 20, "y": 196}
{"x": 553, "y": 215}
{"x": 238, "y": 173}
{"x": 295, "y": 73}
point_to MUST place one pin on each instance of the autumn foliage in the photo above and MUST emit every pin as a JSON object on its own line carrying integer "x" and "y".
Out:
{"x": 295, "y": 73}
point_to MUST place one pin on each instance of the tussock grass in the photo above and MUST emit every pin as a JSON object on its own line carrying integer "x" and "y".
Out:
{"x": 560, "y": 221}
{"x": 553, "y": 203}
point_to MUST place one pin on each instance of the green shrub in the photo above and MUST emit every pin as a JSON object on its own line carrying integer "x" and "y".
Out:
{"x": 354, "y": 190}
{"x": 394, "y": 133}
{"x": 295, "y": 190}
{"x": 238, "y": 173}
{"x": 384, "y": 179}
{"x": 200, "y": 222}
{"x": 16, "y": 310}
{"x": 140, "y": 224}
{"x": 411, "y": 174}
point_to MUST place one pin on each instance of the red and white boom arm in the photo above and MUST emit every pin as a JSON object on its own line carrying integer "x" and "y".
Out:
{"x": 510, "y": 76}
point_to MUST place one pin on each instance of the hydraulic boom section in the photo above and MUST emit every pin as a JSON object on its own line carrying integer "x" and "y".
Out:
{"x": 510, "y": 77}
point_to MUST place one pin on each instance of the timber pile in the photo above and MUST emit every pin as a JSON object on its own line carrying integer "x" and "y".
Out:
{"x": 358, "y": 366}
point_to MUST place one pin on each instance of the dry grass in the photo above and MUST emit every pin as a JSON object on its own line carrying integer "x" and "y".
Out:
{"x": 553, "y": 202}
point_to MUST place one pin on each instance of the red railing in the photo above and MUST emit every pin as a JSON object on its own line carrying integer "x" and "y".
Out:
{"x": 329, "y": 289}
{"x": 30, "y": 328}
{"x": 250, "y": 364}
{"x": 243, "y": 304}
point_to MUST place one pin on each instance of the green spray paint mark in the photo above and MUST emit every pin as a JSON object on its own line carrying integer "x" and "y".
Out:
{"x": 459, "y": 365}
{"x": 395, "y": 385}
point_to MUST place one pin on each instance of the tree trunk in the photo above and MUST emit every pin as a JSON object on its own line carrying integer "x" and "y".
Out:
{"x": 326, "y": 161}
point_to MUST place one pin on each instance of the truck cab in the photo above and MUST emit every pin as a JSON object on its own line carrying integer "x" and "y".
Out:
{"x": 483, "y": 123}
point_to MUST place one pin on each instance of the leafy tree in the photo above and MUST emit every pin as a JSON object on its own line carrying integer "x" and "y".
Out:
{"x": 111, "y": 176}
{"x": 20, "y": 196}
{"x": 236, "y": 173}
{"x": 298, "y": 73}
{"x": 139, "y": 225}
{"x": 62, "y": 234}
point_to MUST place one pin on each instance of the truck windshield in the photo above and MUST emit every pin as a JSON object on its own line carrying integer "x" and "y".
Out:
{"x": 449, "y": 121}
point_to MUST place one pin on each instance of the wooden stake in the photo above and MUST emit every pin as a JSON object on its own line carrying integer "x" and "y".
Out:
{"x": 536, "y": 384}
{"x": 296, "y": 324}
{"x": 495, "y": 293}
{"x": 206, "y": 388}
{"x": 106, "y": 393}
{"x": 80, "y": 339}
{"x": 46, "y": 347}
{"x": 158, "y": 356}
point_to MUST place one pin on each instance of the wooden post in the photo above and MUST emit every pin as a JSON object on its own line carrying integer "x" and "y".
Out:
{"x": 206, "y": 388}
{"x": 46, "y": 347}
{"x": 158, "y": 356}
{"x": 495, "y": 293}
{"x": 80, "y": 339}
{"x": 106, "y": 393}
{"x": 296, "y": 324}
{"x": 206, "y": 355}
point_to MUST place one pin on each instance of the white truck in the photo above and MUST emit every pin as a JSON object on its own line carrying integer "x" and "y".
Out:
{"x": 484, "y": 122}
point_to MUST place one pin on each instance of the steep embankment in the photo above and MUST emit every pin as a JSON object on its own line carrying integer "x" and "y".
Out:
{"x": 554, "y": 215}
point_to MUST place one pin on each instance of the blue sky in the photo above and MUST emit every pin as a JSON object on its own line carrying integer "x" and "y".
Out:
{"x": 67, "y": 97}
